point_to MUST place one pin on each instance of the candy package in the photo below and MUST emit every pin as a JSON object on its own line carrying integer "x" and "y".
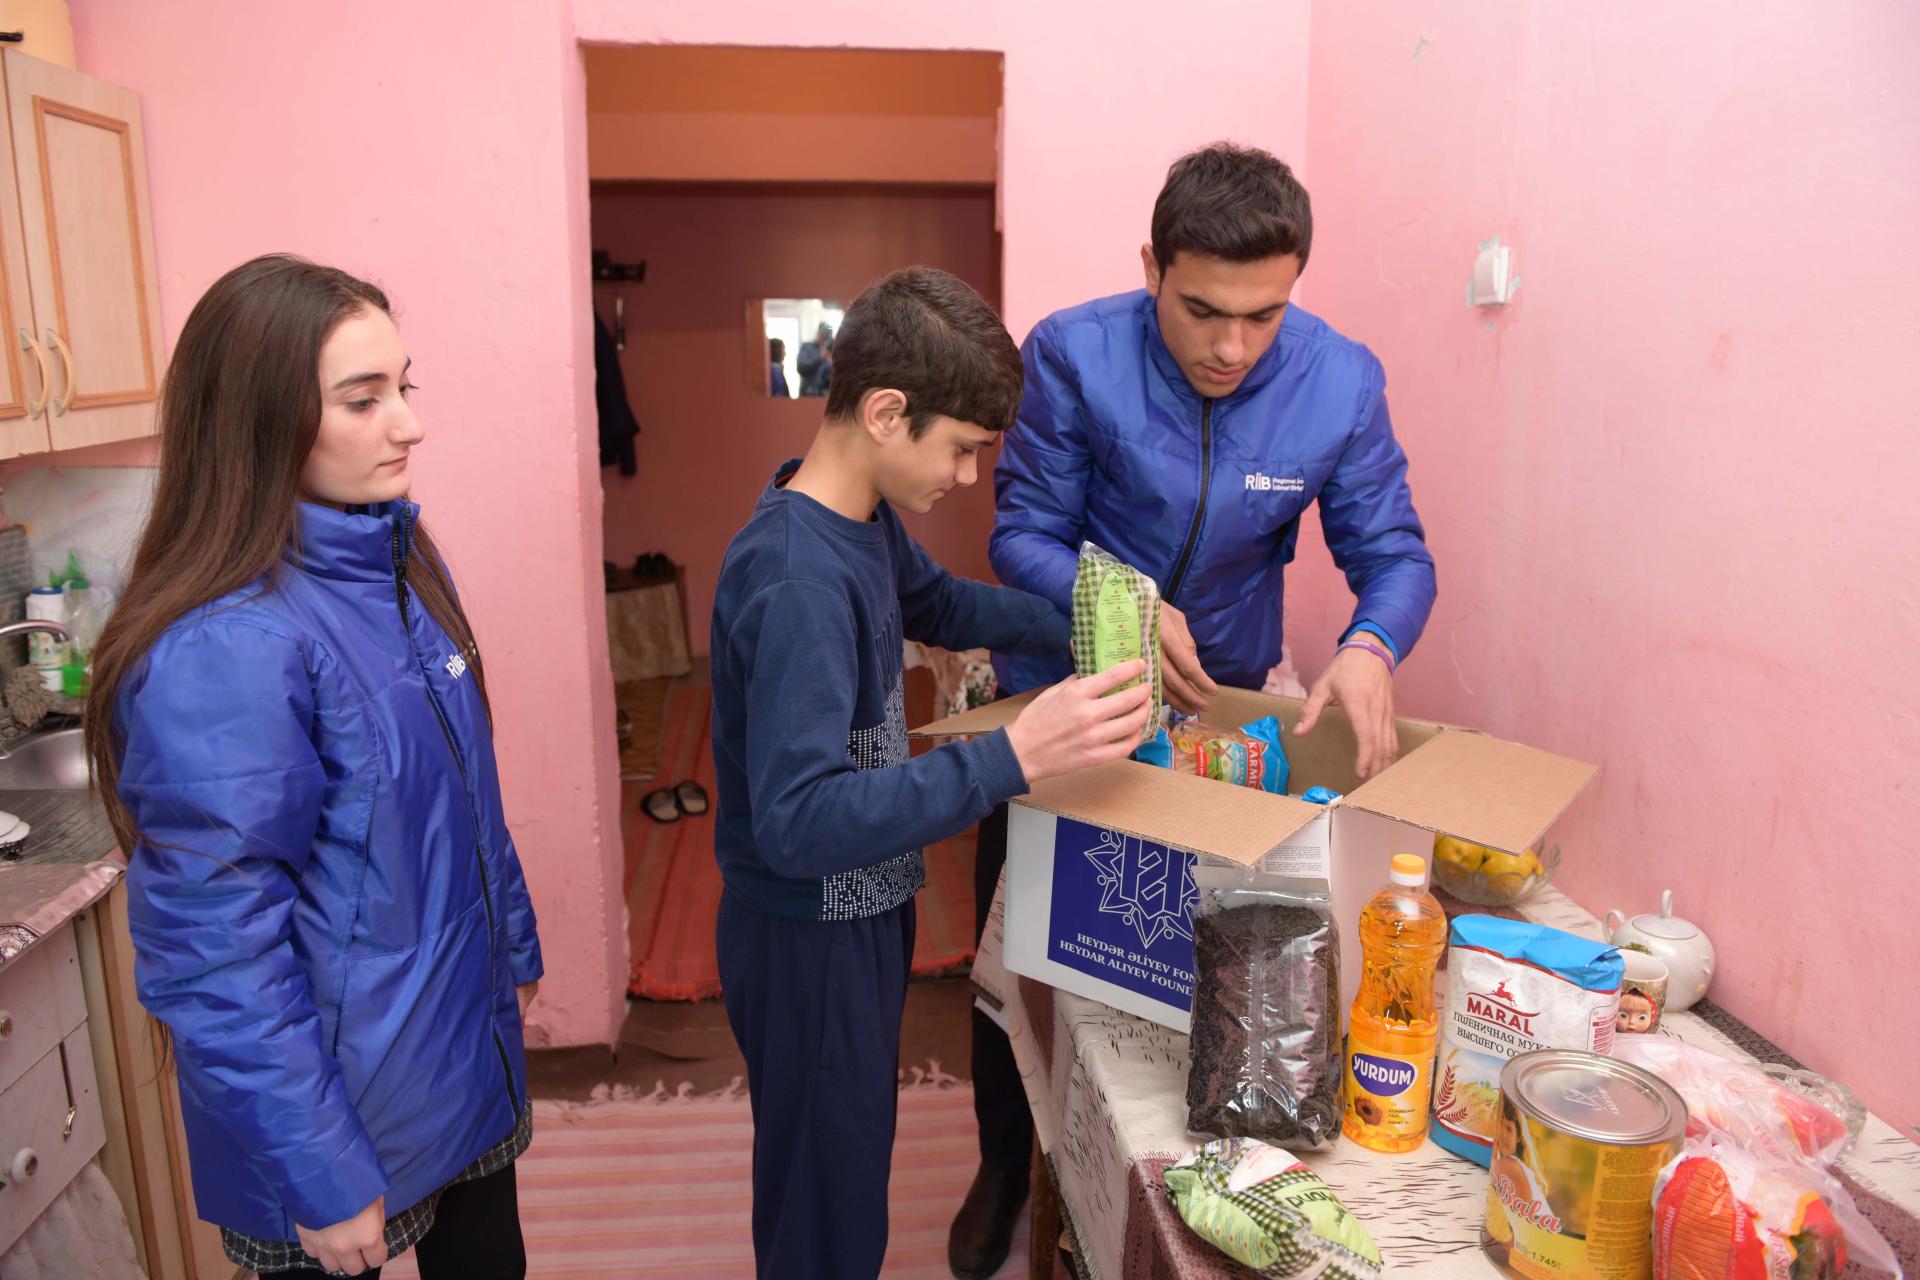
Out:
{"x": 1724, "y": 1213}
{"x": 1751, "y": 1196}
{"x": 1738, "y": 1101}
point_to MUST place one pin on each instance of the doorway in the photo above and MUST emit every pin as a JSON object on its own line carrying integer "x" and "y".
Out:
{"x": 739, "y": 196}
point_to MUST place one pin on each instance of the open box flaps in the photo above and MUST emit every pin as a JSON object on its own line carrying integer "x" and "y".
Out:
{"x": 995, "y": 715}
{"x": 1181, "y": 811}
{"x": 1492, "y": 792}
{"x": 1094, "y": 908}
{"x": 1500, "y": 794}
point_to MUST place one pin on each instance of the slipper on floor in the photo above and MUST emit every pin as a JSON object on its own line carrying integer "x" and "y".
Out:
{"x": 660, "y": 806}
{"x": 692, "y": 798}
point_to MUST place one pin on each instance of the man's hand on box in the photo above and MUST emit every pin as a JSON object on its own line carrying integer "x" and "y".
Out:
{"x": 1186, "y": 683}
{"x": 1362, "y": 683}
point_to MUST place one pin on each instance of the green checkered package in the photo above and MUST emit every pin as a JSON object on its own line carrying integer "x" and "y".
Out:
{"x": 1260, "y": 1206}
{"x": 1116, "y": 618}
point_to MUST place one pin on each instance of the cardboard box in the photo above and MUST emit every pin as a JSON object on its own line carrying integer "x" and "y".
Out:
{"x": 1103, "y": 867}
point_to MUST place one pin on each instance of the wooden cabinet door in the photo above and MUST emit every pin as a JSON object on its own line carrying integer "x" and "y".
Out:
{"x": 25, "y": 375}
{"x": 81, "y": 170}
{"x": 146, "y": 1143}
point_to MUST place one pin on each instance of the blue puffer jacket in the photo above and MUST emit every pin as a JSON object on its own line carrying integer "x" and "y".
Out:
{"x": 1114, "y": 446}
{"x": 327, "y": 910}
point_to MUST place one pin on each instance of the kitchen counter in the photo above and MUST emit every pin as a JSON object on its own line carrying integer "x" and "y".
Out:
{"x": 70, "y": 860}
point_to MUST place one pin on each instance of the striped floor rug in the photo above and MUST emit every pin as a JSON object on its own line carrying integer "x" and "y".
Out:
{"x": 642, "y": 1188}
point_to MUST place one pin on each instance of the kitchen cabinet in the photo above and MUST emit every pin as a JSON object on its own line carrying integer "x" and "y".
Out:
{"x": 83, "y": 1078}
{"x": 146, "y": 1148}
{"x": 50, "y": 1118}
{"x": 79, "y": 292}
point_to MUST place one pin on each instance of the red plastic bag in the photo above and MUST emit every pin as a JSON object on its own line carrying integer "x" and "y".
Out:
{"x": 1751, "y": 1197}
{"x": 1721, "y": 1213}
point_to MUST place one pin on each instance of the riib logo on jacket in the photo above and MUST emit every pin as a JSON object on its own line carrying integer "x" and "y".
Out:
{"x": 1260, "y": 483}
{"x": 456, "y": 666}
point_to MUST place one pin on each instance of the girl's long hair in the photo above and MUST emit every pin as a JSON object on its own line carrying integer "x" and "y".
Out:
{"x": 239, "y": 411}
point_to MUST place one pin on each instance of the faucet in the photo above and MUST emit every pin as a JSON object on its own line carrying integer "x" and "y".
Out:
{"x": 12, "y": 629}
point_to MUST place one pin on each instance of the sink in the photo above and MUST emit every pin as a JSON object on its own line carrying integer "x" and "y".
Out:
{"x": 55, "y": 761}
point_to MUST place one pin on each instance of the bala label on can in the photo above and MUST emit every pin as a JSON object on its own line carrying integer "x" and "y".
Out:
{"x": 1580, "y": 1140}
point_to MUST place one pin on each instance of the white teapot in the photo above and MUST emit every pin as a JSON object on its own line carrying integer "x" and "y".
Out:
{"x": 1680, "y": 944}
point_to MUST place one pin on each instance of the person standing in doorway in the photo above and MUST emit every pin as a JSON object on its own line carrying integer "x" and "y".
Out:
{"x": 1186, "y": 427}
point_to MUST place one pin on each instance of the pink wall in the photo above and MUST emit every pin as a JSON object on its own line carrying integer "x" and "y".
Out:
{"x": 1662, "y": 487}
{"x": 437, "y": 148}
{"x": 1669, "y": 488}
{"x": 1097, "y": 105}
{"x": 441, "y": 147}
{"x": 708, "y": 445}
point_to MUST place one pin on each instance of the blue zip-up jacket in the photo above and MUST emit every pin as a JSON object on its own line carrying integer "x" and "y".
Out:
{"x": 1114, "y": 446}
{"x": 327, "y": 911}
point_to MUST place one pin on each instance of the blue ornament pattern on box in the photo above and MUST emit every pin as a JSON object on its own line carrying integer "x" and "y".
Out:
{"x": 1123, "y": 911}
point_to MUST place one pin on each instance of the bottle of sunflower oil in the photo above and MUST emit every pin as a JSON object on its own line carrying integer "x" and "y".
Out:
{"x": 1394, "y": 1025}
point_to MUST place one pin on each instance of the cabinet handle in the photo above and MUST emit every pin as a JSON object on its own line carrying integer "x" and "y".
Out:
{"x": 23, "y": 1166}
{"x": 61, "y": 406}
{"x": 66, "y": 1078}
{"x": 6, "y": 1024}
{"x": 46, "y": 388}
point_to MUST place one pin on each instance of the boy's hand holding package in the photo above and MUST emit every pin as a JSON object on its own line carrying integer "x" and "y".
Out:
{"x": 1080, "y": 723}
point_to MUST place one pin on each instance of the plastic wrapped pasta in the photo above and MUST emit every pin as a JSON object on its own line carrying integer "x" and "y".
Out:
{"x": 1250, "y": 756}
{"x": 1116, "y": 618}
{"x": 1265, "y": 1043}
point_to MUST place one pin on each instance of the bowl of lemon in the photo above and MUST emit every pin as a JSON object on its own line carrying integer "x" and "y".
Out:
{"x": 1487, "y": 877}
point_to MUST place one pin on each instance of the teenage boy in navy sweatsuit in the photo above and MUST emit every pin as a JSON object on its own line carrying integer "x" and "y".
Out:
{"x": 822, "y": 815}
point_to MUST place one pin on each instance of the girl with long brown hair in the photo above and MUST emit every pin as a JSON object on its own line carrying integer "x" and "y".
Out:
{"x": 290, "y": 733}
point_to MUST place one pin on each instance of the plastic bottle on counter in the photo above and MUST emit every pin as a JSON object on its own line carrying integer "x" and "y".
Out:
{"x": 1395, "y": 1025}
{"x": 46, "y": 652}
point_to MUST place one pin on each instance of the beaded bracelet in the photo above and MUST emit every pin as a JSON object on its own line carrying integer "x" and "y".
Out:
{"x": 1356, "y": 642}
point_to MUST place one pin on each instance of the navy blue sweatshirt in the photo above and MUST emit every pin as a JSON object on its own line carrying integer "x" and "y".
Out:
{"x": 822, "y": 815}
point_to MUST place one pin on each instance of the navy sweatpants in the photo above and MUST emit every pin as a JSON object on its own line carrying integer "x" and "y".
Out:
{"x": 815, "y": 1007}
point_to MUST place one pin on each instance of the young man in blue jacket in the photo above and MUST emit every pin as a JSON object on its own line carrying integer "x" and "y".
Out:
{"x": 822, "y": 814}
{"x": 1186, "y": 428}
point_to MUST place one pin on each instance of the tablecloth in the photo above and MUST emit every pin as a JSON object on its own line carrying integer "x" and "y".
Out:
{"x": 1109, "y": 1104}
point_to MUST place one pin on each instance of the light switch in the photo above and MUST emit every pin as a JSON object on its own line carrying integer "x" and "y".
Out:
{"x": 1492, "y": 277}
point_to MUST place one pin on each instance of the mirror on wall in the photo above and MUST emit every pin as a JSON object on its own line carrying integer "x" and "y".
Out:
{"x": 793, "y": 345}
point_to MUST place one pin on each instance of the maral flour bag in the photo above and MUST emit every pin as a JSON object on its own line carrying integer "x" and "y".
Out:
{"x": 1513, "y": 987}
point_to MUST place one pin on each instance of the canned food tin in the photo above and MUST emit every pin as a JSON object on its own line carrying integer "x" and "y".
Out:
{"x": 1579, "y": 1141}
